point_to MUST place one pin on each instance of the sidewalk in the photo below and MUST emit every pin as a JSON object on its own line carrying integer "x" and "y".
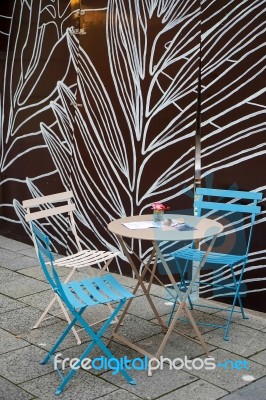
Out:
{"x": 24, "y": 293}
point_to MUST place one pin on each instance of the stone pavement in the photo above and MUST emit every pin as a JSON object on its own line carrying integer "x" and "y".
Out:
{"x": 24, "y": 293}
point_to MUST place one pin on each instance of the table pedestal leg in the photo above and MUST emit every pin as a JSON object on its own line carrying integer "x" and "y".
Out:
{"x": 145, "y": 291}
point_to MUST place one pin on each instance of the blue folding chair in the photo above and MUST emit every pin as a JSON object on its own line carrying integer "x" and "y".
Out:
{"x": 78, "y": 296}
{"x": 226, "y": 279}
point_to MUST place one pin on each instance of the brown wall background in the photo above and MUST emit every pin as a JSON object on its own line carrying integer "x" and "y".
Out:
{"x": 112, "y": 113}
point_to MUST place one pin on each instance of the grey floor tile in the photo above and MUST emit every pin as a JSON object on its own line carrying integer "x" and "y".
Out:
{"x": 6, "y": 255}
{"x": 7, "y": 276}
{"x": 9, "y": 391}
{"x": 24, "y": 364}
{"x": 119, "y": 352}
{"x": 20, "y": 321}
{"x": 184, "y": 326}
{"x": 15, "y": 245}
{"x": 160, "y": 383}
{"x": 260, "y": 357}
{"x": 199, "y": 304}
{"x": 22, "y": 286}
{"x": 141, "y": 307}
{"x": 158, "y": 290}
{"x": 8, "y": 304}
{"x": 119, "y": 395}
{"x": 253, "y": 321}
{"x": 242, "y": 340}
{"x": 135, "y": 329}
{"x": 228, "y": 374}
{"x": 29, "y": 251}
{"x": 20, "y": 262}
{"x": 9, "y": 342}
{"x": 82, "y": 386}
{"x": 46, "y": 335}
{"x": 41, "y": 300}
{"x": 37, "y": 272}
{"x": 177, "y": 346}
{"x": 253, "y": 391}
{"x": 199, "y": 390}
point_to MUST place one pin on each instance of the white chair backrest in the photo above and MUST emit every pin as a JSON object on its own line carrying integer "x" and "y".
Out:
{"x": 50, "y": 208}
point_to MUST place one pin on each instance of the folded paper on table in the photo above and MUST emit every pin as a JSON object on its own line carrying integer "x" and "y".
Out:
{"x": 140, "y": 225}
{"x": 181, "y": 226}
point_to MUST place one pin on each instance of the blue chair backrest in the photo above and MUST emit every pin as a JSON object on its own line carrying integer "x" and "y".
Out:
{"x": 233, "y": 201}
{"x": 45, "y": 255}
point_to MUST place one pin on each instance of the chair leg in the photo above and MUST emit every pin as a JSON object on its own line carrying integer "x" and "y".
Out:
{"x": 59, "y": 340}
{"x": 236, "y": 297}
{"x": 95, "y": 341}
{"x": 45, "y": 312}
{"x": 182, "y": 284}
{"x": 75, "y": 333}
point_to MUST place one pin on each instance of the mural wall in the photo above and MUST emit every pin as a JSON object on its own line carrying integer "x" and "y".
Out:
{"x": 106, "y": 97}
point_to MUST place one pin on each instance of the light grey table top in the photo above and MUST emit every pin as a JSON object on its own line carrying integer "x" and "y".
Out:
{"x": 204, "y": 228}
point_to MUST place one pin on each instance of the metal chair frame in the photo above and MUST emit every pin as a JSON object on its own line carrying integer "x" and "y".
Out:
{"x": 230, "y": 262}
{"x": 48, "y": 207}
{"x": 78, "y": 296}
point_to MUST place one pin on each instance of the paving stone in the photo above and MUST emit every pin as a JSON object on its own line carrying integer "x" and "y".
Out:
{"x": 11, "y": 244}
{"x": 9, "y": 342}
{"x": 82, "y": 386}
{"x": 253, "y": 391}
{"x": 199, "y": 390}
{"x": 24, "y": 364}
{"x": 20, "y": 262}
{"x": 260, "y": 357}
{"x": 119, "y": 395}
{"x": 6, "y": 255}
{"x": 22, "y": 286}
{"x": 160, "y": 383}
{"x": 158, "y": 290}
{"x": 46, "y": 335}
{"x": 119, "y": 351}
{"x": 29, "y": 251}
{"x": 184, "y": 326}
{"x": 242, "y": 340}
{"x": 226, "y": 375}
{"x": 7, "y": 276}
{"x": 177, "y": 346}
{"x": 253, "y": 321}
{"x": 8, "y": 304}
{"x": 21, "y": 321}
{"x": 141, "y": 307}
{"x": 200, "y": 304}
{"x": 41, "y": 300}
{"x": 37, "y": 272}
{"x": 9, "y": 391}
{"x": 135, "y": 329}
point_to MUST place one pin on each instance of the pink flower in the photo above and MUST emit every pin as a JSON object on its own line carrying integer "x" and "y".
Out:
{"x": 157, "y": 206}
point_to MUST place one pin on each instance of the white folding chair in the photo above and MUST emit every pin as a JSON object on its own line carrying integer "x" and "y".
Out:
{"x": 47, "y": 209}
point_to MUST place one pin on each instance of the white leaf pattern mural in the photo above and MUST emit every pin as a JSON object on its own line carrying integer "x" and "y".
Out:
{"x": 115, "y": 120}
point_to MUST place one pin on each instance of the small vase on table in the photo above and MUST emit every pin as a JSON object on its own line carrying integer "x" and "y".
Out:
{"x": 158, "y": 211}
{"x": 158, "y": 216}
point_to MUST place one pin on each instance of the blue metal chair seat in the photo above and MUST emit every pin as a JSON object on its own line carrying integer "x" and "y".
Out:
{"x": 95, "y": 291}
{"x": 77, "y": 297}
{"x": 214, "y": 258}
